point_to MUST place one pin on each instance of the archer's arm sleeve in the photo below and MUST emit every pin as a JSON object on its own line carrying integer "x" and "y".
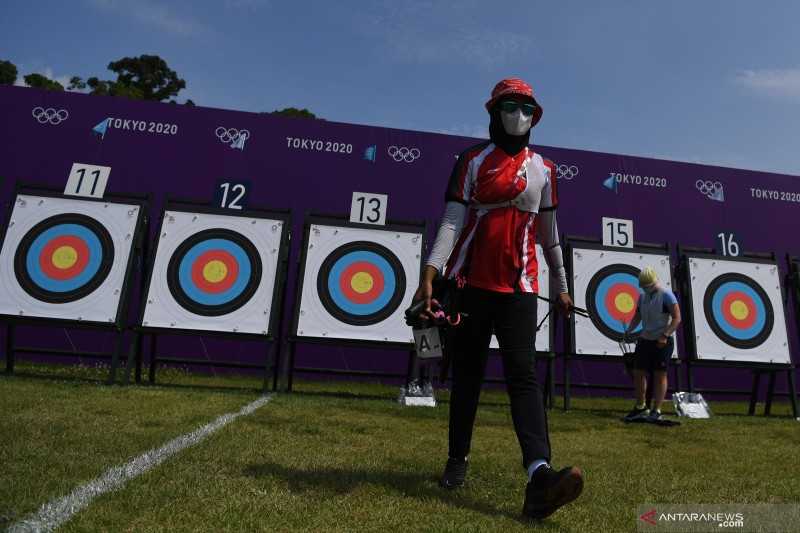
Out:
{"x": 449, "y": 230}
{"x": 547, "y": 236}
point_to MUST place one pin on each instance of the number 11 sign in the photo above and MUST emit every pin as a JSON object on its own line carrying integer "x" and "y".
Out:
{"x": 87, "y": 180}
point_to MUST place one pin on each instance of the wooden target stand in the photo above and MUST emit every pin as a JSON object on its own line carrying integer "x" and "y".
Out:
{"x": 272, "y": 348}
{"x": 118, "y": 326}
{"x": 756, "y": 368}
{"x": 296, "y": 337}
{"x": 570, "y": 352}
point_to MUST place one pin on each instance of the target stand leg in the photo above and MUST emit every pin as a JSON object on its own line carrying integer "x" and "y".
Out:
{"x": 153, "y": 358}
{"x": 751, "y": 410}
{"x": 792, "y": 391}
{"x": 10, "y": 349}
{"x": 131, "y": 359}
{"x": 290, "y": 366}
{"x": 267, "y": 360}
{"x": 566, "y": 382}
{"x": 139, "y": 341}
{"x": 678, "y": 384}
{"x": 770, "y": 392}
{"x": 115, "y": 356}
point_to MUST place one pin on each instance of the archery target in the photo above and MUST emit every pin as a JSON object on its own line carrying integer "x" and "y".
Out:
{"x": 356, "y": 282}
{"x": 738, "y": 311}
{"x": 214, "y": 273}
{"x": 67, "y": 259}
{"x": 543, "y": 335}
{"x": 606, "y": 284}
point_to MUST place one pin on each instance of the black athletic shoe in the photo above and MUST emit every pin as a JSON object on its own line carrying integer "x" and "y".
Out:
{"x": 654, "y": 417}
{"x": 455, "y": 472}
{"x": 637, "y": 415}
{"x": 549, "y": 490}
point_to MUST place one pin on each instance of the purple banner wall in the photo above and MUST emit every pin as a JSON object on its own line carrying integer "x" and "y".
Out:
{"x": 315, "y": 165}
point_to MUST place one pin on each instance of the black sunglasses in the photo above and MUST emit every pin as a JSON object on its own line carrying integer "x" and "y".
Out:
{"x": 509, "y": 106}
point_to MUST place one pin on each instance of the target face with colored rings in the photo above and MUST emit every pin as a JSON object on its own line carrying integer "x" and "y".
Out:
{"x": 611, "y": 299}
{"x": 738, "y": 310}
{"x": 361, "y": 283}
{"x": 214, "y": 272}
{"x": 64, "y": 258}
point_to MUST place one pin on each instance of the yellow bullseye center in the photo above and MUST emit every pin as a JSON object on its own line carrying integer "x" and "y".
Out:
{"x": 362, "y": 282}
{"x": 624, "y": 302}
{"x": 739, "y": 310}
{"x": 64, "y": 257}
{"x": 215, "y": 271}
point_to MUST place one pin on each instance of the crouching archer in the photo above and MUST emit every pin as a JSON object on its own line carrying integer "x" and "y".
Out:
{"x": 501, "y": 199}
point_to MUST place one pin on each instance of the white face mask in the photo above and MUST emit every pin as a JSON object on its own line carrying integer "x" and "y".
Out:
{"x": 516, "y": 123}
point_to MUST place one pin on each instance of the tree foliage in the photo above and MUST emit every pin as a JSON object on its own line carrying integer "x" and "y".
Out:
{"x": 294, "y": 113}
{"x": 147, "y": 77}
{"x": 8, "y": 73}
{"x": 42, "y": 82}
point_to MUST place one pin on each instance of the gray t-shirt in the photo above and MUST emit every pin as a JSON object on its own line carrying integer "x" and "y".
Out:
{"x": 654, "y": 309}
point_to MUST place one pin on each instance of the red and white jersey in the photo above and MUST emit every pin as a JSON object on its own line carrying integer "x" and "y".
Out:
{"x": 496, "y": 249}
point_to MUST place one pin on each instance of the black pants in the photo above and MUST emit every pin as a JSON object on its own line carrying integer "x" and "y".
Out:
{"x": 512, "y": 317}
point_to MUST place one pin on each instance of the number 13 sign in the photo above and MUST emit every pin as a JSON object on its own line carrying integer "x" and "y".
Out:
{"x": 368, "y": 208}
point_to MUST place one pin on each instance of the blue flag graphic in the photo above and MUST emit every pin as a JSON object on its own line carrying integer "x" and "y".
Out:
{"x": 101, "y": 128}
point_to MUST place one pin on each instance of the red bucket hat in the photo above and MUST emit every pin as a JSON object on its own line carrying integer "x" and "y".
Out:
{"x": 518, "y": 87}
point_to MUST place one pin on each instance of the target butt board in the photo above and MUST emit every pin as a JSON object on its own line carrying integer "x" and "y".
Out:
{"x": 217, "y": 272}
{"x": 737, "y": 310}
{"x": 357, "y": 280}
{"x": 68, "y": 259}
{"x": 605, "y": 282}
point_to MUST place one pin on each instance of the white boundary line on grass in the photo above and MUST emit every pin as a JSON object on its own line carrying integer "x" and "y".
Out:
{"x": 57, "y": 512}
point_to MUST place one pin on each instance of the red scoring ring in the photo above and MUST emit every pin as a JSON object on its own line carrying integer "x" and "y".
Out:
{"x": 46, "y": 257}
{"x": 352, "y": 270}
{"x": 611, "y": 295}
{"x": 220, "y": 286}
{"x": 728, "y": 300}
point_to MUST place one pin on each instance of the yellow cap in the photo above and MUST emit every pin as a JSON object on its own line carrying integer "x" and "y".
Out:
{"x": 647, "y": 276}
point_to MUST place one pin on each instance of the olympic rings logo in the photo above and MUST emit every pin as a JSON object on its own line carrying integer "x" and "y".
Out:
{"x": 567, "y": 172}
{"x": 401, "y": 153}
{"x": 53, "y": 116}
{"x": 708, "y": 188}
{"x": 229, "y": 135}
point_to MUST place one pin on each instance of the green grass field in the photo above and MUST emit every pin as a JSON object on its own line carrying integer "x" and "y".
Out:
{"x": 345, "y": 456}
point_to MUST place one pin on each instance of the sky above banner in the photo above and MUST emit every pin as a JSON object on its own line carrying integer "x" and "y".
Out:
{"x": 716, "y": 82}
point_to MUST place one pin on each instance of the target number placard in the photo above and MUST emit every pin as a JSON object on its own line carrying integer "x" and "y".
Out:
{"x": 67, "y": 259}
{"x": 231, "y": 194}
{"x": 356, "y": 283}
{"x": 87, "y": 180}
{"x": 606, "y": 284}
{"x": 617, "y": 232}
{"x": 214, "y": 272}
{"x": 367, "y": 208}
{"x": 738, "y": 311}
